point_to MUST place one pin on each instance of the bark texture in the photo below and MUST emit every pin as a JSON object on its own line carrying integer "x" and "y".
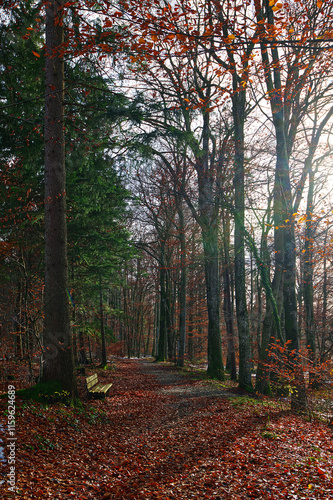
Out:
{"x": 58, "y": 350}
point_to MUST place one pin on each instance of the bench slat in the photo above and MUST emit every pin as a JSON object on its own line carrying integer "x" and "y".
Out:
{"x": 101, "y": 388}
{"x": 92, "y": 380}
{"x": 94, "y": 387}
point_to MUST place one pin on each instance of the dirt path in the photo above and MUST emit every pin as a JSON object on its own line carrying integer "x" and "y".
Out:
{"x": 173, "y": 382}
{"x": 162, "y": 436}
{"x": 188, "y": 395}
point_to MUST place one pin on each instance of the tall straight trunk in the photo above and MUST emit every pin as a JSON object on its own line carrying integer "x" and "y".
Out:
{"x": 182, "y": 291}
{"x": 245, "y": 354}
{"x": 285, "y": 245}
{"x": 190, "y": 343}
{"x": 124, "y": 328}
{"x": 269, "y": 328}
{"x": 74, "y": 336}
{"x": 268, "y": 335}
{"x": 284, "y": 232}
{"x": 309, "y": 238}
{"x": 208, "y": 222}
{"x": 191, "y": 305}
{"x": 259, "y": 319}
{"x": 227, "y": 302}
{"x": 239, "y": 112}
{"x": 58, "y": 349}
{"x": 82, "y": 353}
{"x": 19, "y": 353}
{"x": 210, "y": 244}
{"x": 157, "y": 309}
{"x": 308, "y": 276}
{"x": 170, "y": 313}
{"x": 162, "y": 338}
{"x": 147, "y": 341}
{"x": 325, "y": 303}
{"x": 101, "y": 314}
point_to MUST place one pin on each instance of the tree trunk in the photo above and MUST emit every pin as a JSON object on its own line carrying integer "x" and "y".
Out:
{"x": 210, "y": 243}
{"x": 58, "y": 349}
{"x": 169, "y": 314}
{"x": 325, "y": 303}
{"x": 245, "y": 382}
{"x": 227, "y": 303}
{"x": 162, "y": 337}
{"x": 284, "y": 215}
{"x": 308, "y": 276}
{"x": 101, "y": 312}
{"x": 283, "y": 210}
{"x": 182, "y": 292}
{"x": 268, "y": 336}
{"x": 82, "y": 353}
{"x": 208, "y": 211}
{"x": 18, "y": 326}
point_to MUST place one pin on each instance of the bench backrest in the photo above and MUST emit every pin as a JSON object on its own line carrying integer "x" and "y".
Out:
{"x": 91, "y": 381}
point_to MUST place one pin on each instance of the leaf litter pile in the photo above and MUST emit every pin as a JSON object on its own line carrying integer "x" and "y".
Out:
{"x": 160, "y": 435}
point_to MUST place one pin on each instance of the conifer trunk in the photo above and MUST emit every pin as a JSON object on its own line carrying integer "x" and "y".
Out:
{"x": 58, "y": 348}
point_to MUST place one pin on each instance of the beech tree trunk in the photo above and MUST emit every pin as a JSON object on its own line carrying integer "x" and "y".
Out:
{"x": 182, "y": 292}
{"x": 310, "y": 329}
{"x": 238, "y": 101}
{"x": 163, "y": 330}
{"x": 227, "y": 302}
{"x": 215, "y": 363}
{"x": 58, "y": 349}
{"x": 208, "y": 222}
{"x": 284, "y": 232}
{"x": 325, "y": 302}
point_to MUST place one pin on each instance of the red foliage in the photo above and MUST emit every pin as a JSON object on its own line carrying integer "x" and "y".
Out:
{"x": 295, "y": 367}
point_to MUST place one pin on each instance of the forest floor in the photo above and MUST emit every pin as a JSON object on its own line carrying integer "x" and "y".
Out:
{"x": 165, "y": 434}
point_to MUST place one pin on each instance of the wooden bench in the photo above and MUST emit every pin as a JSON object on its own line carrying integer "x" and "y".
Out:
{"x": 95, "y": 388}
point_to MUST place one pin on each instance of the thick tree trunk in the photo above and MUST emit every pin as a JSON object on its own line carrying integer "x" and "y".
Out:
{"x": 245, "y": 353}
{"x": 210, "y": 243}
{"x": 215, "y": 363}
{"x": 283, "y": 212}
{"x": 208, "y": 222}
{"x": 58, "y": 349}
{"x": 283, "y": 209}
{"x": 284, "y": 229}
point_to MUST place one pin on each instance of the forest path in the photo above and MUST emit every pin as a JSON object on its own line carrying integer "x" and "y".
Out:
{"x": 156, "y": 387}
{"x": 165, "y": 436}
{"x": 187, "y": 392}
